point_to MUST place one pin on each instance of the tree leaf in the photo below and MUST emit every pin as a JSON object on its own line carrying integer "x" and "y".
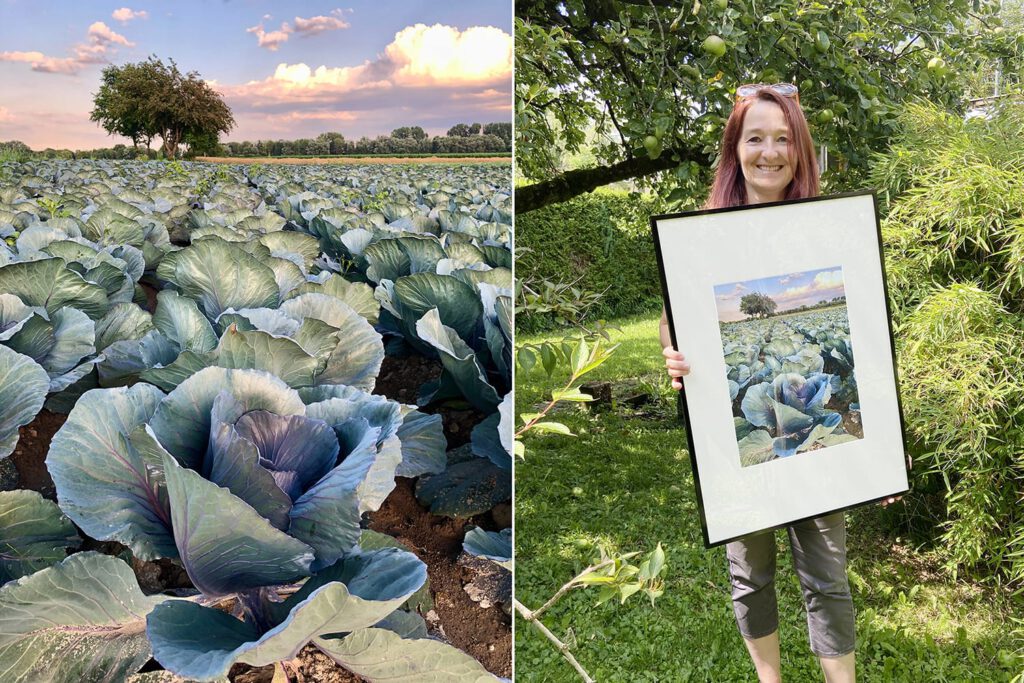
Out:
{"x": 552, "y": 427}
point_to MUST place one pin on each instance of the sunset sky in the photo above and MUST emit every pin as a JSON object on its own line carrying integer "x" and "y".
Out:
{"x": 287, "y": 70}
{"x": 789, "y": 291}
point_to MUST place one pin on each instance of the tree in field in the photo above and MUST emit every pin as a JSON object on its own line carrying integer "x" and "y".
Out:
{"x": 474, "y": 129}
{"x": 655, "y": 79}
{"x": 757, "y": 305}
{"x": 459, "y": 130}
{"x": 149, "y": 99}
{"x": 122, "y": 106}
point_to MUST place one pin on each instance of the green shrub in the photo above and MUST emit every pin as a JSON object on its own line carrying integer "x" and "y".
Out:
{"x": 599, "y": 242}
{"x": 954, "y": 243}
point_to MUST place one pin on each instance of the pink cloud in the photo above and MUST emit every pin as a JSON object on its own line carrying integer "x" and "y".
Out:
{"x": 475, "y": 64}
{"x": 101, "y": 34}
{"x": 124, "y": 15}
{"x": 303, "y": 27}
{"x": 319, "y": 24}
{"x": 40, "y": 62}
{"x": 101, "y": 41}
{"x": 270, "y": 39}
{"x": 313, "y": 116}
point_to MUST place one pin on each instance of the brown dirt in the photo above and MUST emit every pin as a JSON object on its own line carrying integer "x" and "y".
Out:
{"x": 851, "y": 419}
{"x": 355, "y": 160}
{"x": 458, "y": 424}
{"x": 486, "y": 634}
{"x": 400, "y": 379}
{"x": 311, "y": 666}
{"x": 151, "y": 293}
{"x": 29, "y": 455}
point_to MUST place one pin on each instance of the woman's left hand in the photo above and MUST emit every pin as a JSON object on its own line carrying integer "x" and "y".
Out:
{"x": 890, "y": 501}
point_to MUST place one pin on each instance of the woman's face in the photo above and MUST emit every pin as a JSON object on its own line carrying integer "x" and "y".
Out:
{"x": 763, "y": 152}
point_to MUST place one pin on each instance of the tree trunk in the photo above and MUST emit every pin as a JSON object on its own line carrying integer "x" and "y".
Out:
{"x": 171, "y": 139}
{"x": 572, "y": 183}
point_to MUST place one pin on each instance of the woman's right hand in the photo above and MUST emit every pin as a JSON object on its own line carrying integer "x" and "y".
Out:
{"x": 677, "y": 367}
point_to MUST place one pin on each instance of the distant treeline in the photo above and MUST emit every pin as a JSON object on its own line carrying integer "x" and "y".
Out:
{"x": 837, "y": 301}
{"x": 462, "y": 138}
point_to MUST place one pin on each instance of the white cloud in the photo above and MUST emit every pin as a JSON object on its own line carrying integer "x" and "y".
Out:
{"x": 828, "y": 280}
{"x": 124, "y": 15}
{"x": 439, "y": 54}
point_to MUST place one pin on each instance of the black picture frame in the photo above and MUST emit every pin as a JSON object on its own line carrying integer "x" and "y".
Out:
{"x": 677, "y": 309}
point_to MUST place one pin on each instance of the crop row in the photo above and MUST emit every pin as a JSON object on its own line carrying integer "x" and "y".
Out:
{"x": 791, "y": 383}
{"x": 214, "y": 335}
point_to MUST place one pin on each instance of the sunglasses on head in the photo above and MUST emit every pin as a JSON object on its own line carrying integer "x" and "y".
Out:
{"x": 751, "y": 89}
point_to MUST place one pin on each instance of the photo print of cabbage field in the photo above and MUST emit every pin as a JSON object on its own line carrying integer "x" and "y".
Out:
{"x": 255, "y": 343}
{"x": 789, "y": 360}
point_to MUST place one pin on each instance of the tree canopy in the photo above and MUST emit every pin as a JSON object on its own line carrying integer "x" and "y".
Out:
{"x": 654, "y": 80}
{"x": 152, "y": 99}
{"x": 757, "y": 305}
{"x": 411, "y": 132}
{"x": 460, "y": 130}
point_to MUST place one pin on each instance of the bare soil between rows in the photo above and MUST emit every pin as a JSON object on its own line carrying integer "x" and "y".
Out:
{"x": 290, "y": 161}
{"x": 484, "y": 633}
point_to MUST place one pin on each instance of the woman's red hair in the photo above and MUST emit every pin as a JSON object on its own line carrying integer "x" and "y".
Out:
{"x": 729, "y": 188}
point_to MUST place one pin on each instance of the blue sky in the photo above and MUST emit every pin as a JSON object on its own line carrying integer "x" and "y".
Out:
{"x": 384, "y": 64}
{"x": 791, "y": 290}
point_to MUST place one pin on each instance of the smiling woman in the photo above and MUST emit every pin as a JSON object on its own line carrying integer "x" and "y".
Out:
{"x": 764, "y": 153}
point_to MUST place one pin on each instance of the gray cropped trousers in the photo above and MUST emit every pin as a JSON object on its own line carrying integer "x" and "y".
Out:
{"x": 819, "y": 558}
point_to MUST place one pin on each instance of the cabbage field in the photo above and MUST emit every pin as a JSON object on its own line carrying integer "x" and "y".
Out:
{"x": 241, "y": 367}
{"x": 792, "y": 383}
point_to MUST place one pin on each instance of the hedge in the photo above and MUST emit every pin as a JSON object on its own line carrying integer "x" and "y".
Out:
{"x": 604, "y": 240}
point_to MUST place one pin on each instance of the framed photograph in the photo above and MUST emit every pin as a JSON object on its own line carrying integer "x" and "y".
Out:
{"x": 792, "y": 404}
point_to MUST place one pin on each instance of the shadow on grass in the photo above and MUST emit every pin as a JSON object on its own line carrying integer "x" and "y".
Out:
{"x": 624, "y": 482}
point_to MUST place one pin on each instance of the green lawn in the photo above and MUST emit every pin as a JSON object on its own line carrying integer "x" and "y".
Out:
{"x": 625, "y": 482}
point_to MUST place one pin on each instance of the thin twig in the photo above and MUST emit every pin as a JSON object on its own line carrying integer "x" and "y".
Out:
{"x": 571, "y": 584}
{"x": 531, "y": 617}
